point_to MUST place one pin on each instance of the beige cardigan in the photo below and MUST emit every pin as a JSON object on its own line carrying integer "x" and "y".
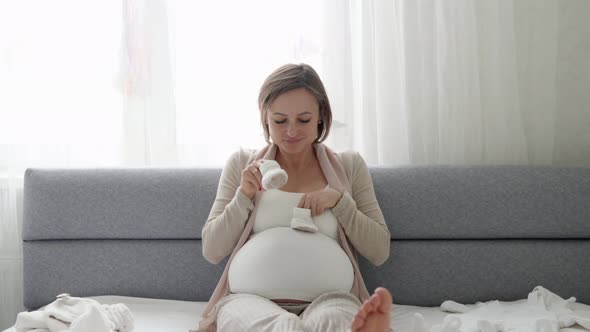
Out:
{"x": 361, "y": 222}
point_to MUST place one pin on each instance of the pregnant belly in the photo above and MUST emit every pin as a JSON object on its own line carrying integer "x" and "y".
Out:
{"x": 282, "y": 263}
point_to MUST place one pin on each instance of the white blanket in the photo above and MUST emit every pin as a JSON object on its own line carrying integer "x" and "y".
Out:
{"x": 74, "y": 314}
{"x": 543, "y": 311}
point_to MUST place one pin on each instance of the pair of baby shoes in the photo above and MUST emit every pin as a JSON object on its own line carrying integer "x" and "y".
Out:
{"x": 273, "y": 177}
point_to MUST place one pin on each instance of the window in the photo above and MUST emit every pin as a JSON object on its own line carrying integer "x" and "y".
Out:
{"x": 57, "y": 72}
{"x": 223, "y": 51}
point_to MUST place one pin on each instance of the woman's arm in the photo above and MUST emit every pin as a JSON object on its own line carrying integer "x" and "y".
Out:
{"x": 229, "y": 213}
{"x": 361, "y": 217}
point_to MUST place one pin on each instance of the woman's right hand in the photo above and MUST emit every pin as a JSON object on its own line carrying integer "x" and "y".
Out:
{"x": 251, "y": 179}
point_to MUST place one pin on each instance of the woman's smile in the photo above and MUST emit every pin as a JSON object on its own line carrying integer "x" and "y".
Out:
{"x": 293, "y": 140}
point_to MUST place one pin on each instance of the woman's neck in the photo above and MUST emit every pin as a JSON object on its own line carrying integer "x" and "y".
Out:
{"x": 296, "y": 162}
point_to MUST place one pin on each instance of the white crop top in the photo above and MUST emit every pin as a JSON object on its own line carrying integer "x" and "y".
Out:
{"x": 274, "y": 209}
{"x": 278, "y": 262}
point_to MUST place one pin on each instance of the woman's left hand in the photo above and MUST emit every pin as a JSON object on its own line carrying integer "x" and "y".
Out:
{"x": 319, "y": 201}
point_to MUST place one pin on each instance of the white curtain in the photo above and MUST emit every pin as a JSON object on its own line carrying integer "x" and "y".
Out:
{"x": 58, "y": 107}
{"x": 223, "y": 50}
{"x": 175, "y": 83}
{"x": 461, "y": 82}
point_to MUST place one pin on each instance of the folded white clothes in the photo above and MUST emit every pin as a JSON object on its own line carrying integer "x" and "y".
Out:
{"x": 74, "y": 314}
{"x": 542, "y": 311}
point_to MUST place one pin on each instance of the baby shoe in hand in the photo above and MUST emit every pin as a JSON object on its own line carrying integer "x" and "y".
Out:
{"x": 302, "y": 220}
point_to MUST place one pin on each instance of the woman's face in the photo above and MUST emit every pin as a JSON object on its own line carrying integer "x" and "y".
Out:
{"x": 293, "y": 120}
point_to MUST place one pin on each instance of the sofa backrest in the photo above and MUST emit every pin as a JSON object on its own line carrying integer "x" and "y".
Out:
{"x": 462, "y": 233}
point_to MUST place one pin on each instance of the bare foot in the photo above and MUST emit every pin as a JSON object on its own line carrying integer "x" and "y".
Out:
{"x": 373, "y": 316}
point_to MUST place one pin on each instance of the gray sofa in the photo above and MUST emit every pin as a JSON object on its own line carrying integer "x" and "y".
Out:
{"x": 463, "y": 233}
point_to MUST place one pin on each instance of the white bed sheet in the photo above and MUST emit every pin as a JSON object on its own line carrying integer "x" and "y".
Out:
{"x": 156, "y": 315}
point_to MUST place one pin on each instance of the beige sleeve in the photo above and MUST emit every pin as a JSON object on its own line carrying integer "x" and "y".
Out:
{"x": 360, "y": 215}
{"x": 229, "y": 213}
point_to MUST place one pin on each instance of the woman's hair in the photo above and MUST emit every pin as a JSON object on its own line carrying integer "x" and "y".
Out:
{"x": 290, "y": 77}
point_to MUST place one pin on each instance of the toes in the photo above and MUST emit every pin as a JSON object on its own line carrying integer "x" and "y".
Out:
{"x": 385, "y": 300}
{"x": 367, "y": 307}
{"x": 375, "y": 300}
{"x": 371, "y": 304}
{"x": 369, "y": 317}
{"x": 361, "y": 314}
{"x": 357, "y": 322}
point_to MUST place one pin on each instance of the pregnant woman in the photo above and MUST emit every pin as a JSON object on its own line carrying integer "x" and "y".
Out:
{"x": 285, "y": 278}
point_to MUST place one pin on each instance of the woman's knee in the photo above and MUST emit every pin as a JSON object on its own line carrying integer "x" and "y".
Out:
{"x": 242, "y": 312}
{"x": 287, "y": 322}
{"x": 330, "y": 312}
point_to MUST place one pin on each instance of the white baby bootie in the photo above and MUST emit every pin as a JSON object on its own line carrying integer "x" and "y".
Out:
{"x": 302, "y": 220}
{"x": 273, "y": 176}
